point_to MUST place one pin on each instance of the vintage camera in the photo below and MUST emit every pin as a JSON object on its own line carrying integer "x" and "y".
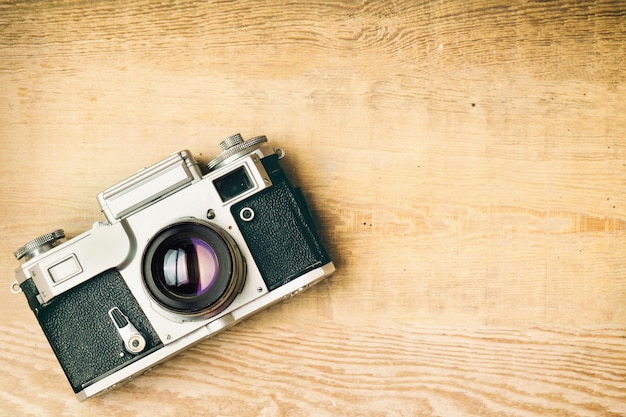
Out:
{"x": 182, "y": 256}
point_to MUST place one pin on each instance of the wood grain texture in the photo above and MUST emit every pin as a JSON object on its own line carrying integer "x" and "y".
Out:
{"x": 465, "y": 163}
{"x": 317, "y": 369}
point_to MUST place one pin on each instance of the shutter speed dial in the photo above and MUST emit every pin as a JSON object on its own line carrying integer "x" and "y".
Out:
{"x": 235, "y": 145}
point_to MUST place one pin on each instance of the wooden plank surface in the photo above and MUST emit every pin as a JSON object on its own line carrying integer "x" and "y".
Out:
{"x": 465, "y": 163}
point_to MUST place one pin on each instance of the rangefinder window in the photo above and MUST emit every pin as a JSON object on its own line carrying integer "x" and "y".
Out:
{"x": 233, "y": 184}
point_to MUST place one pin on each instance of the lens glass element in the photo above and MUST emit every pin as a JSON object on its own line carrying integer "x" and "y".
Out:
{"x": 190, "y": 267}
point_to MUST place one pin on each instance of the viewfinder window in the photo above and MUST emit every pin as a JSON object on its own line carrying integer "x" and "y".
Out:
{"x": 233, "y": 184}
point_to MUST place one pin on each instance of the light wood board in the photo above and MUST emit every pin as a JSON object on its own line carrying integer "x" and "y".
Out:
{"x": 465, "y": 163}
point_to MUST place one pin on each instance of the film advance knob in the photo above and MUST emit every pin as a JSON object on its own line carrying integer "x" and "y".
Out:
{"x": 39, "y": 245}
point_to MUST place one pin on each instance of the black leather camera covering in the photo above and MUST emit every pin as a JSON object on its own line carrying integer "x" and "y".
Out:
{"x": 281, "y": 235}
{"x": 81, "y": 333}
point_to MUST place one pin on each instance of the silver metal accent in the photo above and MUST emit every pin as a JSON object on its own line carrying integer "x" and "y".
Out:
{"x": 280, "y": 152}
{"x": 231, "y": 141}
{"x": 235, "y": 145}
{"x": 65, "y": 269}
{"x": 87, "y": 249}
{"x": 246, "y": 214}
{"x": 149, "y": 185}
{"x": 15, "y": 287}
{"x": 134, "y": 342}
{"x": 39, "y": 245}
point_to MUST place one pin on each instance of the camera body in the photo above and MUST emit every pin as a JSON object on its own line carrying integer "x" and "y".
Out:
{"x": 182, "y": 256}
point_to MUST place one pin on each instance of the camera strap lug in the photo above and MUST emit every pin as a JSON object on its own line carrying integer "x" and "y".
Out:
{"x": 15, "y": 287}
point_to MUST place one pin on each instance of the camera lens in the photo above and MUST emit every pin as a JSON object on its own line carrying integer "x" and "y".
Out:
{"x": 193, "y": 268}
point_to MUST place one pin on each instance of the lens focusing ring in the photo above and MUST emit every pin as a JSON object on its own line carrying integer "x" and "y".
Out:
{"x": 39, "y": 245}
